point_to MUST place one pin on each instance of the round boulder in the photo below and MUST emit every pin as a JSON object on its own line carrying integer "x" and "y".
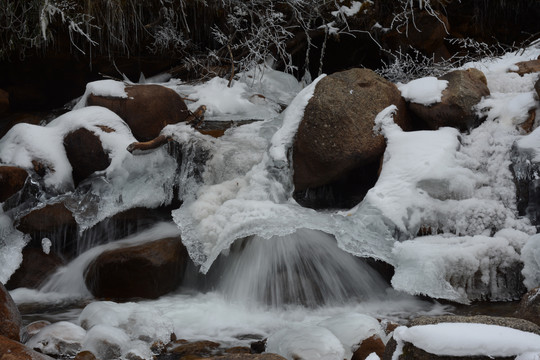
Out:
{"x": 465, "y": 90}
{"x": 85, "y": 154}
{"x": 10, "y": 318}
{"x": 12, "y": 180}
{"x": 147, "y": 109}
{"x": 336, "y": 133}
{"x": 147, "y": 271}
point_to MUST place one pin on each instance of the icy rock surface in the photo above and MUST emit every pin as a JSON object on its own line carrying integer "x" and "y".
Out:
{"x": 61, "y": 338}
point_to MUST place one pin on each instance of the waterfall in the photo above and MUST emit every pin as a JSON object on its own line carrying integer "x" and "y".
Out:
{"x": 305, "y": 267}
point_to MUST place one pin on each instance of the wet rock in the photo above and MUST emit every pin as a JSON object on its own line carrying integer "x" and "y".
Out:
{"x": 147, "y": 109}
{"x": 34, "y": 269}
{"x": 465, "y": 89}
{"x": 85, "y": 355}
{"x": 85, "y": 154}
{"x": 148, "y": 270}
{"x": 526, "y": 67}
{"x": 199, "y": 348}
{"x": 55, "y": 222}
{"x": 258, "y": 347}
{"x": 370, "y": 345}
{"x": 529, "y": 306}
{"x": 10, "y": 318}
{"x": 4, "y": 101}
{"x": 13, "y": 350}
{"x": 12, "y": 180}
{"x": 61, "y": 338}
{"x": 336, "y": 134}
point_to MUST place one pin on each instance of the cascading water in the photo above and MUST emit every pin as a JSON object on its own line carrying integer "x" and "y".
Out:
{"x": 305, "y": 267}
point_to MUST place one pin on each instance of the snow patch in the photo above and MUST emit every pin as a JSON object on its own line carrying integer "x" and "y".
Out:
{"x": 425, "y": 91}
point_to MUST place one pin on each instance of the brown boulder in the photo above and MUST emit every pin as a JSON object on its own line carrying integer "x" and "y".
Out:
{"x": 10, "y": 318}
{"x": 147, "y": 109}
{"x": 13, "y": 350}
{"x": 4, "y": 101}
{"x": 147, "y": 271}
{"x": 529, "y": 306}
{"x": 336, "y": 134}
{"x": 370, "y": 345}
{"x": 35, "y": 268}
{"x": 85, "y": 355}
{"x": 55, "y": 222}
{"x": 465, "y": 89}
{"x": 527, "y": 67}
{"x": 85, "y": 154}
{"x": 12, "y": 180}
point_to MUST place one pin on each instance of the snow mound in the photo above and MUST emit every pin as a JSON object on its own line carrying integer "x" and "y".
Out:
{"x": 458, "y": 339}
{"x": 425, "y": 91}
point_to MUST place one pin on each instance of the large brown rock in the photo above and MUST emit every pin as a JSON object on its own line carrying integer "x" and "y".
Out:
{"x": 12, "y": 180}
{"x": 147, "y": 271}
{"x": 336, "y": 134}
{"x": 147, "y": 109}
{"x": 35, "y": 268}
{"x": 10, "y": 318}
{"x": 13, "y": 350}
{"x": 529, "y": 306}
{"x": 85, "y": 154}
{"x": 465, "y": 89}
{"x": 55, "y": 222}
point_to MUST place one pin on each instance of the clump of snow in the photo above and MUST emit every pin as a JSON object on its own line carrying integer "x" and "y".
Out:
{"x": 352, "y": 329}
{"x": 460, "y": 339}
{"x": 305, "y": 342}
{"x": 46, "y": 245}
{"x": 425, "y": 91}
{"x": 105, "y": 88}
{"x": 61, "y": 338}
